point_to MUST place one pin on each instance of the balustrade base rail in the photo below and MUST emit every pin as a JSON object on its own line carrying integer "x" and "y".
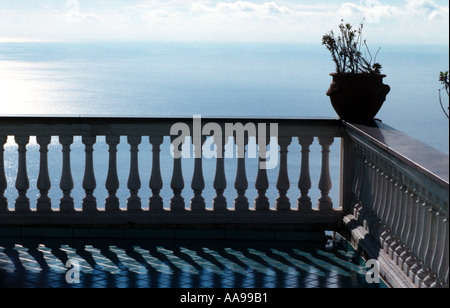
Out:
{"x": 116, "y": 235}
{"x": 247, "y": 220}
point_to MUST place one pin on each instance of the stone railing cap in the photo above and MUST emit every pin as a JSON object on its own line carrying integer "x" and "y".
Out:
{"x": 414, "y": 152}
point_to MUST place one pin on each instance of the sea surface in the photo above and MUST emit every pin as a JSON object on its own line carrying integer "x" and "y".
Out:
{"x": 207, "y": 79}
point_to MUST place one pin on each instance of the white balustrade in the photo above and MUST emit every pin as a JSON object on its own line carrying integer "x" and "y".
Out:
{"x": 406, "y": 207}
{"x": 67, "y": 204}
{"x": 403, "y": 206}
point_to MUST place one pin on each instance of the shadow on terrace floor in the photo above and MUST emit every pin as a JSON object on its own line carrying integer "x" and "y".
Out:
{"x": 177, "y": 264}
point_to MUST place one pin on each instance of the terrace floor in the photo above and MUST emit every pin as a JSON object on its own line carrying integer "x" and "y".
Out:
{"x": 176, "y": 263}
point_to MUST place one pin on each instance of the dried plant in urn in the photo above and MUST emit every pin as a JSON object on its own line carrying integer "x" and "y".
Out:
{"x": 357, "y": 91}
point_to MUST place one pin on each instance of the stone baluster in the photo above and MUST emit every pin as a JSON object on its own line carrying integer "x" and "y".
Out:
{"x": 423, "y": 246}
{"x": 436, "y": 237}
{"x": 377, "y": 226}
{"x": 364, "y": 180}
{"x": 413, "y": 202}
{"x": 371, "y": 178}
{"x": 358, "y": 178}
{"x": 177, "y": 182}
{"x": 112, "y": 203}
{"x": 432, "y": 252}
{"x": 367, "y": 183}
{"x": 440, "y": 256}
{"x": 382, "y": 232}
{"x": 3, "y": 181}
{"x": 375, "y": 178}
{"x": 89, "y": 183}
{"x": 373, "y": 224}
{"x": 401, "y": 229}
{"x": 66, "y": 203}
{"x": 387, "y": 237}
{"x": 156, "y": 183}
{"x": 379, "y": 185}
{"x": 398, "y": 214}
{"x": 262, "y": 181}
{"x": 134, "y": 181}
{"x": 386, "y": 195}
{"x": 241, "y": 183}
{"x": 407, "y": 197}
{"x": 418, "y": 237}
{"x": 381, "y": 203}
{"x": 220, "y": 180}
{"x": 412, "y": 233}
{"x": 359, "y": 169}
{"x": 22, "y": 182}
{"x": 395, "y": 221}
{"x": 43, "y": 182}
{"x": 325, "y": 185}
{"x": 366, "y": 186}
{"x": 391, "y": 204}
{"x": 198, "y": 182}
{"x": 282, "y": 202}
{"x": 304, "y": 182}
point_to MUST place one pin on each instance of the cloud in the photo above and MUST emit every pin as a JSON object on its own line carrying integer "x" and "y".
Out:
{"x": 256, "y": 8}
{"x": 74, "y": 14}
{"x": 374, "y": 11}
{"x": 426, "y": 8}
{"x": 371, "y": 10}
{"x": 239, "y": 8}
{"x": 245, "y": 20}
{"x": 159, "y": 14}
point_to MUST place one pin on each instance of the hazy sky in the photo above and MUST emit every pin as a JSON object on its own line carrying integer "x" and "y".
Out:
{"x": 387, "y": 21}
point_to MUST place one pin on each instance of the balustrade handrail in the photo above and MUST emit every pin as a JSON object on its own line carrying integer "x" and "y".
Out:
{"x": 418, "y": 155}
{"x": 90, "y": 125}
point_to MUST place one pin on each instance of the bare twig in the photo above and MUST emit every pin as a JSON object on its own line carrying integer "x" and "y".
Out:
{"x": 346, "y": 52}
{"x": 442, "y": 105}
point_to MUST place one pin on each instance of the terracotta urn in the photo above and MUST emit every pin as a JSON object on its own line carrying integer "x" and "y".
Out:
{"x": 357, "y": 98}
